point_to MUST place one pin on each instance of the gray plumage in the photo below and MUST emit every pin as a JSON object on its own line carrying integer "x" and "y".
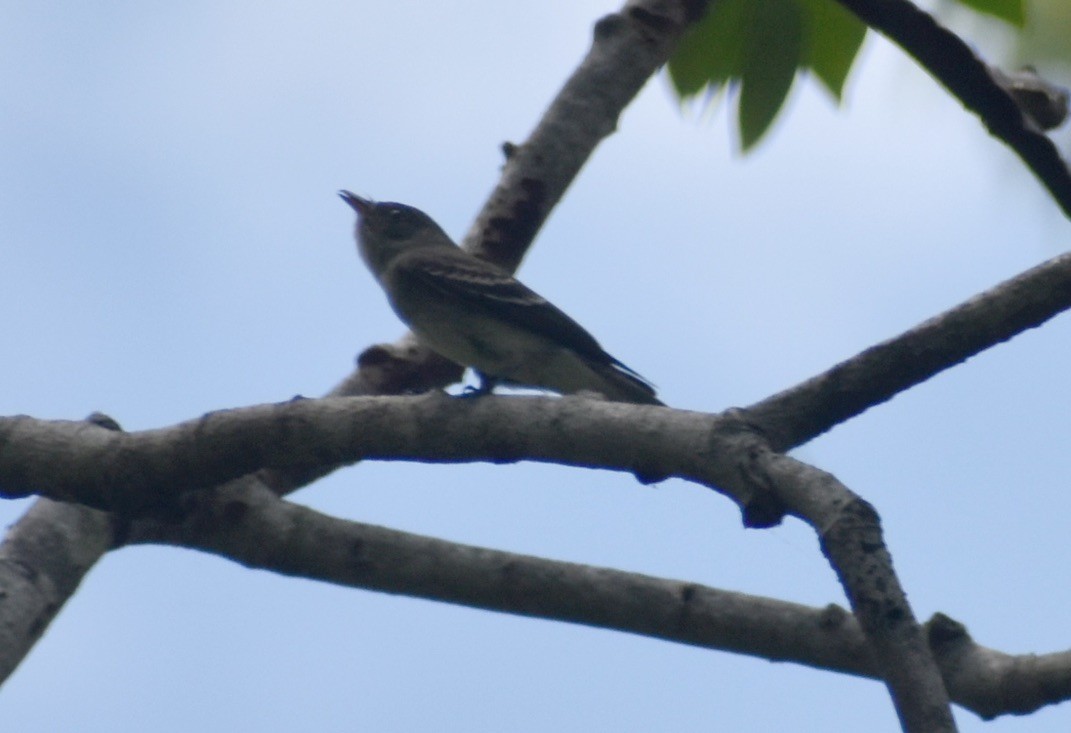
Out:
{"x": 477, "y": 314}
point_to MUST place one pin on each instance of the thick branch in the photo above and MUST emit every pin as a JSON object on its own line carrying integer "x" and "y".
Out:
{"x": 43, "y": 558}
{"x": 952, "y": 62}
{"x": 150, "y": 470}
{"x": 852, "y": 540}
{"x": 136, "y": 471}
{"x": 717, "y": 450}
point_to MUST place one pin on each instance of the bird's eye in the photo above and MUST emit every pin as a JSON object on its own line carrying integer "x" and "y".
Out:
{"x": 400, "y": 222}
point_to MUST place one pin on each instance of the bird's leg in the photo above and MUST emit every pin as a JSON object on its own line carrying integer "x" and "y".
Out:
{"x": 487, "y": 385}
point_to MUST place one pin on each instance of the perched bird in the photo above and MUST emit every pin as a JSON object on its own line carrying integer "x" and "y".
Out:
{"x": 478, "y": 315}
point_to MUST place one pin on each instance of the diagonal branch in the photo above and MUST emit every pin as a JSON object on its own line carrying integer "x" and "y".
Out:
{"x": 952, "y": 62}
{"x": 853, "y": 542}
{"x": 877, "y": 374}
{"x": 43, "y": 558}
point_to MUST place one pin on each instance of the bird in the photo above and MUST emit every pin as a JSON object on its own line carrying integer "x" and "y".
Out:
{"x": 478, "y": 315}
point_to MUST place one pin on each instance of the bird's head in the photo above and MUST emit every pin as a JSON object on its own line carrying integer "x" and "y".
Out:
{"x": 385, "y": 229}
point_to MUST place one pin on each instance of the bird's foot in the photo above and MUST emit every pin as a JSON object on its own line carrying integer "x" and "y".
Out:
{"x": 486, "y": 387}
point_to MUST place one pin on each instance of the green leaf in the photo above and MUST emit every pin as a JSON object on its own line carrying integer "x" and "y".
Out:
{"x": 832, "y": 39}
{"x": 709, "y": 55}
{"x": 755, "y": 48}
{"x": 1009, "y": 10}
{"x": 772, "y": 49}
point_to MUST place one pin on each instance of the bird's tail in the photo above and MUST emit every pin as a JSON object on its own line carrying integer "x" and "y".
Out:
{"x": 621, "y": 384}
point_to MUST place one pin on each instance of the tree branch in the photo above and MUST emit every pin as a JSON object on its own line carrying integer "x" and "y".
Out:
{"x": 952, "y": 62}
{"x": 43, "y": 558}
{"x": 150, "y": 470}
{"x": 135, "y": 473}
{"x": 879, "y": 373}
{"x": 852, "y": 541}
{"x": 249, "y": 525}
{"x": 252, "y": 526}
{"x": 992, "y": 683}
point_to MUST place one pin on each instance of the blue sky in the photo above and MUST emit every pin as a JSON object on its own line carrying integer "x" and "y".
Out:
{"x": 173, "y": 244}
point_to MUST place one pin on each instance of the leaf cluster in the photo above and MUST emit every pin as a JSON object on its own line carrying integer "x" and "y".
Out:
{"x": 754, "y": 51}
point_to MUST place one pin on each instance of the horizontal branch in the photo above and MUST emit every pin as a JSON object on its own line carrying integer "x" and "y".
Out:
{"x": 150, "y": 470}
{"x": 250, "y": 525}
{"x": 162, "y": 470}
{"x": 135, "y": 472}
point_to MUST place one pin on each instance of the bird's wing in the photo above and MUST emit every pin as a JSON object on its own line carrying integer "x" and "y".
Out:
{"x": 484, "y": 287}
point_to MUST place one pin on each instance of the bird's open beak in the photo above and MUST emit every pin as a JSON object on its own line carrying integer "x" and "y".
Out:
{"x": 360, "y": 205}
